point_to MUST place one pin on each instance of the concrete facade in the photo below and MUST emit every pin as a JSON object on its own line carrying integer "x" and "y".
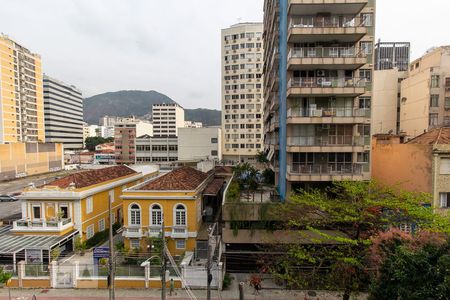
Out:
{"x": 199, "y": 144}
{"x": 156, "y": 149}
{"x": 242, "y": 91}
{"x": 167, "y": 118}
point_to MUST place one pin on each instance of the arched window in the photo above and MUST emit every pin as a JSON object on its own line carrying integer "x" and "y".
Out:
{"x": 180, "y": 215}
{"x": 135, "y": 214}
{"x": 156, "y": 215}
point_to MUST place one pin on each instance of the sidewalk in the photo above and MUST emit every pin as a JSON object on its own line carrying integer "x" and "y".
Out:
{"x": 155, "y": 294}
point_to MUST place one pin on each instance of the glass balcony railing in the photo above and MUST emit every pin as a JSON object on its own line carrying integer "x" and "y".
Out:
{"x": 323, "y": 141}
{"x": 326, "y": 169}
{"x": 327, "y": 82}
{"x": 327, "y": 52}
{"x": 339, "y": 112}
{"x": 342, "y": 21}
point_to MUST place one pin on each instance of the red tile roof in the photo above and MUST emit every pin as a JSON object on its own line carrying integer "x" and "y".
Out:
{"x": 182, "y": 179}
{"x": 87, "y": 178}
{"x": 214, "y": 187}
{"x": 223, "y": 170}
{"x": 435, "y": 136}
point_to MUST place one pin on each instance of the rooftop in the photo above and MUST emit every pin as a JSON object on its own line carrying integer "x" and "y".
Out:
{"x": 214, "y": 187}
{"x": 182, "y": 179}
{"x": 439, "y": 136}
{"x": 92, "y": 177}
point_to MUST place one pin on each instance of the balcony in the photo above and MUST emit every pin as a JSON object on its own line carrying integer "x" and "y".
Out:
{"x": 326, "y": 86}
{"x": 132, "y": 232}
{"x": 327, "y": 143}
{"x": 297, "y": 7}
{"x": 326, "y": 172}
{"x": 40, "y": 225}
{"x": 310, "y": 29}
{"x": 334, "y": 115}
{"x": 335, "y": 58}
{"x": 154, "y": 231}
{"x": 179, "y": 232}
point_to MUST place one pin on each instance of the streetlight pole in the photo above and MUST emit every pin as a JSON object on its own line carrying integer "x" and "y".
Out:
{"x": 164, "y": 261}
{"x": 111, "y": 253}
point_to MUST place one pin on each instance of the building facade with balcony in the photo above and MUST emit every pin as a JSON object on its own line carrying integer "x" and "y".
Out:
{"x": 318, "y": 69}
{"x": 425, "y": 93}
{"x": 242, "y": 92}
{"x": 167, "y": 118}
{"x": 175, "y": 198}
{"x": 21, "y": 95}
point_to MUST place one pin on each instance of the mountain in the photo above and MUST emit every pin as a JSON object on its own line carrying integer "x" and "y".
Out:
{"x": 139, "y": 103}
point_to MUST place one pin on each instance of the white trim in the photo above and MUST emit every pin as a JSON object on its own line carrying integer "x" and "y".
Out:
{"x": 175, "y": 215}
{"x": 129, "y": 215}
{"x": 87, "y": 230}
{"x": 77, "y": 216}
{"x": 162, "y": 197}
{"x": 100, "y": 214}
{"x": 151, "y": 215}
{"x": 89, "y": 205}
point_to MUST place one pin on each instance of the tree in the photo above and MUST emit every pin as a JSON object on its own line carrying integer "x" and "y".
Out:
{"x": 410, "y": 267}
{"x": 4, "y": 276}
{"x": 354, "y": 212}
{"x": 92, "y": 142}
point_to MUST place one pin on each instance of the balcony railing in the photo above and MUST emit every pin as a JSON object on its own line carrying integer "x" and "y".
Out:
{"x": 338, "y": 112}
{"x": 132, "y": 232}
{"x": 323, "y": 141}
{"x": 328, "y": 169}
{"x": 154, "y": 230}
{"x": 325, "y": 22}
{"x": 179, "y": 231}
{"x": 326, "y": 82}
{"x": 42, "y": 225}
{"x": 326, "y": 52}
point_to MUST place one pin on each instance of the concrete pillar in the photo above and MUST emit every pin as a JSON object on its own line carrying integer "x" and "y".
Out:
{"x": 21, "y": 272}
{"x": 76, "y": 271}
{"x": 53, "y": 273}
{"x": 147, "y": 275}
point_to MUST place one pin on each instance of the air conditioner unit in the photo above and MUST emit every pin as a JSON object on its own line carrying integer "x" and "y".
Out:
{"x": 320, "y": 73}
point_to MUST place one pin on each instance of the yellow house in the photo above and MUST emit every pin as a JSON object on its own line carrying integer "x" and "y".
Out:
{"x": 176, "y": 198}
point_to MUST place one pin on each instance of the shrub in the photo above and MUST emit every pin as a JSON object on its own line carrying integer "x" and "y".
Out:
{"x": 234, "y": 192}
{"x": 227, "y": 279}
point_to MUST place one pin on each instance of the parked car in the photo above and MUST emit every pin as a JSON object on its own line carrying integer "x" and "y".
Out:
{"x": 7, "y": 198}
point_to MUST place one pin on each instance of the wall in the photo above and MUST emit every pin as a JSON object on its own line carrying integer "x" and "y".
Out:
{"x": 406, "y": 165}
{"x": 195, "y": 143}
{"x": 21, "y": 159}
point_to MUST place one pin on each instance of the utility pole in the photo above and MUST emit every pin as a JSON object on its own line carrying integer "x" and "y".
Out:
{"x": 164, "y": 261}
{"x": 210, "y": 253}
{"x": 111, "y": 253}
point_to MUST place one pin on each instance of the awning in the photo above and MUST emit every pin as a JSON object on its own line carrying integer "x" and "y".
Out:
{"x": 214, "y": 187}
{"x": 12, "y": 243}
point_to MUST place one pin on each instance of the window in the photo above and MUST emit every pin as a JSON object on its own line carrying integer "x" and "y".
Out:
{"x": 90, "y": 231}
{"x": 214, "y": 152}
{"x": 364, "y": 102}
{"x": 365, "y": 74}
{"x": 135, "y": 244}
{"x": 180, "y": 215}
{"x": 36, "y": 211}
{"x": 180, "y": 244}
{"x": 435, "y": 81}
{"x": 444, "y": 200}
{"x": 445, "y": 166}
{"x": 89, "y": 205}
{"x": 367, "y": 19}
{"x": 213, "y": 140}
{"x": 434, "y": 101}
{"x": 433, "y": 121}
{"x": 447, "y": 102}
{"x": 64, "y": 211}
{"x": 101, "y": 225}
{"x": 366, "y": 47}
{"x": 156, "y": 215}
{"x": 135, "y": 214}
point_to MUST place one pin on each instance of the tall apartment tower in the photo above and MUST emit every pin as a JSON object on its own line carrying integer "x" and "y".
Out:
{"x": 390, "y": 55}
{"x": 317, "y": 90}
{"x": 242, "y": 92}
{"x": 425, "y": 93}
{"x": 63, "y": 112}
{"x": 167, "y": 118}
{"x": 21, "y": 96}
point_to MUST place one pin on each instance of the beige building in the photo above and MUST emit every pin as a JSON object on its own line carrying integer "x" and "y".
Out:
{"x": 21, "y": 95}
{"x": 421, "y": 164}
{"x": 425, "y": 94}
{"x": 242, "y": 91}
{"x": 167, "y": 118}
{"x": 195, "y": 144}
{"x": 317, "y": 109}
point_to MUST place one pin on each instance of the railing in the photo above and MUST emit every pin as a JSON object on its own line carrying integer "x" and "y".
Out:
{"x": 325, "y": 22}
{"x": 326, "y": 82}
{"x": 326, "y": 52}
{"x": 179, "y": 231}
{"x": 338, "y": 112}
{"x": 339, "y": 140}
{"x": 27, "y": 225}
{"x": 329, "y": 169}
{"x": 154, "y": 230}
{"x": 132, "y": 232}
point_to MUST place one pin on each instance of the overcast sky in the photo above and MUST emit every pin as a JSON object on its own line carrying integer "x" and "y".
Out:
{"x": 171, "y": 46}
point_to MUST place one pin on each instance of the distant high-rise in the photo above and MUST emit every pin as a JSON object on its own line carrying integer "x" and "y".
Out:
{"x": 21, "y": 96}
{"x": 167, "y": 118}
{"x": 318, "y": 70}
{"x": 63, "y": 114}
{"x": 242, "y": 91}
{"x": 390, "y": 55}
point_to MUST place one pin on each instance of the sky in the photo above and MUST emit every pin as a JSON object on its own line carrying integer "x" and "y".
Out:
{"x": 171, "y": 46}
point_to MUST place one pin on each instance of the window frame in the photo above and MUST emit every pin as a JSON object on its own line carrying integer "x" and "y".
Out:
{"x": 132, "y": 210}
{"x": 176, "y": 211}
{"x": 89, "y": 205}
{"x": 152, "y": 218}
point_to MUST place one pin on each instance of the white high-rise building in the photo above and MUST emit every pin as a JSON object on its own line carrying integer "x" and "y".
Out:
{"x": 167, "y": 118}
{"x": 242, "y": 91}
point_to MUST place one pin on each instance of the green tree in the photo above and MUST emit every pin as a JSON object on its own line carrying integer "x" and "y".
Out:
{"x": 342, "y": 219}
{"x": 91, "y": 142}
{"x": 4, "y": 276}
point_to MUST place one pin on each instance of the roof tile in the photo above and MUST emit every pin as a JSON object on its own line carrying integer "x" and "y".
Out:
{"x": 182, "y": 179}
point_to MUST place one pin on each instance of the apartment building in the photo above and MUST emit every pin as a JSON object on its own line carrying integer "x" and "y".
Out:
{"x": 242, "y": 91}
{"x": 318, "y": 68}
{"x": 155, "y": 149}
{"x": 392, "y": 55}
{"x": 63, "y": 113}
{"x": 167, "y": 118}
{"x": 21, "y": 96}
{"x": 425, "y": 94}
{"x": 192, "y": 124}
{"x": 125, "y": 143}
{"x": 195, "y": 144}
